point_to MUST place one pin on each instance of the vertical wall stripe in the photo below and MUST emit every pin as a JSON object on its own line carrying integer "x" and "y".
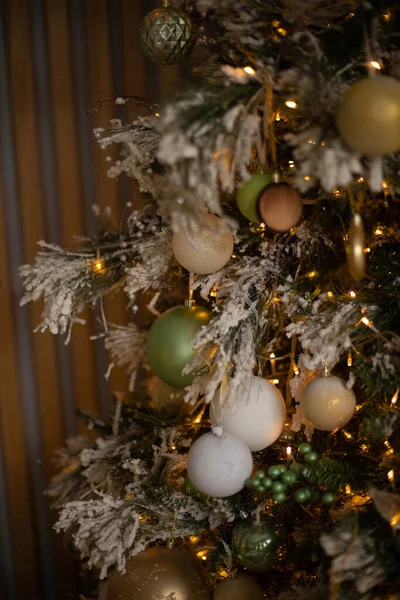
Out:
{"x": 80, "y": 67}
{"x": 117, "y": 62}
{"x": 26, "y": 370}
{"x": 50, "y": 186}
{"x": 8, "y": 588}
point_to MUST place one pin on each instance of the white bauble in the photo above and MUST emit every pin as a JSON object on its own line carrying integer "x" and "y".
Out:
{"x": 218, "y": 465}
{"x": 258, "y": 419}
{"x": 205, "y": 250}
{"x": 327, "y": 403}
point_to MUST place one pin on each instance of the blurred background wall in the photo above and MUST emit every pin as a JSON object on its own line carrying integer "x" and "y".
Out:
{"x": 57, "y": 58}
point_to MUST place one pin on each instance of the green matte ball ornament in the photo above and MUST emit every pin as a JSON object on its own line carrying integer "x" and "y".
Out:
{"x": 278, "y": 486}
{"x": 249, "y": 194}
{"x": 274, "y": 472}
{"x": 267, "y": 483}
{"x": 279, "y": 497}
{"x": 328, "y": 498}
{"x": 250, "y": 483}
{"x": 259, "y": 475}
{"x": 311, "y": 457}
{"x": 282, "y": 469}
{"x": 289, "y": 478}
{"x": 166, "y": 35}
{"x": 169, "y": 343}
{"x": 315, "y": 496}
{"x": 301, "y": 495}
{"x": 259, "y": 547}
{"x": 304, "y": 448}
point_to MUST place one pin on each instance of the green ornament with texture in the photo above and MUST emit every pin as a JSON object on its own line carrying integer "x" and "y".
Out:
{"x": 169, "y": 343}
{"x": 259, "y": 547}
{"x": 249, "y": 194}
{"x": 167, "y": 35}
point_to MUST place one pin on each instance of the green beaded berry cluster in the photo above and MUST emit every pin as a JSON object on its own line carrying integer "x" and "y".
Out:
{"x": 279, "y": 478}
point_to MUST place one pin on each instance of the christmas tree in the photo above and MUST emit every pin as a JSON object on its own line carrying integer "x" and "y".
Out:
{"x": 257, "y": 449}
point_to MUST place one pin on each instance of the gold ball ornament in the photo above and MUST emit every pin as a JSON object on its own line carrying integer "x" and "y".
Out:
{"x": 355, "y": 249}
{"x": 161, "y": 573}
{"x": 280, "y": 206}
{"x": 206, "y": 249}
{"x": 241, "y": 587}
{"x": 166, "y": 397}
{"x": 166, "y": 35}
{"x": 327, "y": 403}
{"x": 368, "y": 117}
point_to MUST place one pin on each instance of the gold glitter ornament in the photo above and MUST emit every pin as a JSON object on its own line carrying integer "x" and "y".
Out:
{"x": 161, "y": 573}
{"x": 166, "y": 35}
{"x": 355, "y": 249}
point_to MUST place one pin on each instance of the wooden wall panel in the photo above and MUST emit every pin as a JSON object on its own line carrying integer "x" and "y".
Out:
{"x": 70, "y": 191}
{"x": 57, "y": 57}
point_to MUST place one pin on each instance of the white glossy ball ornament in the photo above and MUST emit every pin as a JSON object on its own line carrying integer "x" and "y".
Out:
{"x": 205, "y": 250}
{"x": 258, "y": 420}
{"x": 327, "y": 403}
{"x": 218, "y": 465}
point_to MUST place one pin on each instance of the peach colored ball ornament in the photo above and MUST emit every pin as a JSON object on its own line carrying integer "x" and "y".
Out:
{"x": 368, "y": 117}
{"x": 206, "y": 249}
{"x": 280, "y": 206}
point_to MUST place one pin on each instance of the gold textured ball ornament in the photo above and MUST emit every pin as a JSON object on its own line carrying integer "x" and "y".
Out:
{"x": 327, "y": 403}
{"x": 166, "y": 35}
{"x": 206, "y": 249}
{"x": 160, "y": 574}
{"x": 241, "y": 587}
{"x": 166, "y": 397}
{"x": 280, "y": 206}
{"x": 368, "y": 117}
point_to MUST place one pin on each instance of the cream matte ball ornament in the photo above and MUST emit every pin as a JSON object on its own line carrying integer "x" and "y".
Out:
{"x": 159, "y": 573}
{"x": 280, "y": 207}
{"x": 327, "y": 403}
{"x": 218, "y": 465}
{"x": 241, "y": 587}
{"x": 258, "y": 419}
{"x": 368, "y": 117}
{"x": 206, "y": 249}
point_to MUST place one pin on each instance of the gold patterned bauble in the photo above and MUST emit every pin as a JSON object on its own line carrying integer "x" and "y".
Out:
{"x": 280, "y": 206}
{"x": 369, "y": 116}
{"x": 206, "y": 249}
{"x": 327, "y": 403}
{"x": 166, "y": 35}
{"x": 241, "y": 587}
{"x": 160, "y": 574}
{"x": 355, "y": 249}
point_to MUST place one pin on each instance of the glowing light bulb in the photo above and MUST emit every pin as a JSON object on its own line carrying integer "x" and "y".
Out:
{"x": 249, "y": 70}
{"x": 378, "y": 231}
{"x": 349, "y": 359}
{"x": 395, "y": 396}
{"x": 348, "y": 489}
{"x": 390, "y": 475}
{"x": 375, "y": 64}
{"x": 291, "y": 104}
{"x": 352, "y": 294}
{"x": 330, "y": 294}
